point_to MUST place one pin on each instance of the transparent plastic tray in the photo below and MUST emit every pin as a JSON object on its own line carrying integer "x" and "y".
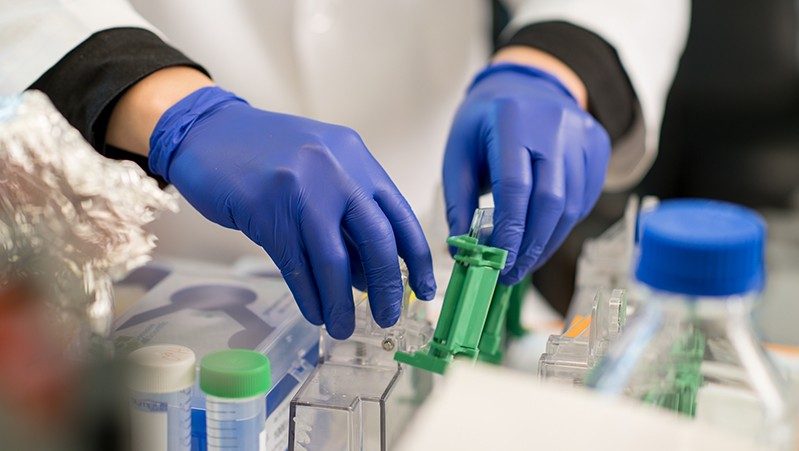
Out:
{"x": 599, "y": 307}
{"x": 359, "y": 397}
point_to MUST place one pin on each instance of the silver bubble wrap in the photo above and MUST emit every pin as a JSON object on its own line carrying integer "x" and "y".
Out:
{"x": 71, "y": 220}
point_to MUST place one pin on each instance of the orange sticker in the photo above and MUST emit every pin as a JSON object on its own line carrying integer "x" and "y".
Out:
{"x": 578, "y": 325}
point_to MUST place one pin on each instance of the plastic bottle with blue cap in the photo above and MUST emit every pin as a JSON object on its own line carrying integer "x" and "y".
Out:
{"x": 691, "y": 346}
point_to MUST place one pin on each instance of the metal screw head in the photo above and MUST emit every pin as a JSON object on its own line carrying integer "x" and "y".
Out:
{"x": 388, "y": 344}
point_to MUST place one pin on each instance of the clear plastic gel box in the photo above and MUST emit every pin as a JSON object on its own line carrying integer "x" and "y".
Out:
{"x": 359, "y": 397}
{"x": 599, "y": 306}
{"x": 208, "y": 309}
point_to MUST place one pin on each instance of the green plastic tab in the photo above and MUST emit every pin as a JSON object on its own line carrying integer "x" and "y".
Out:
{"x": 514, "y": 326}
{"x": 494, "y": 330}
{"x": 678, "y": 391}
{"x": 504, "y": 320}
{"x": 466, "y": 306}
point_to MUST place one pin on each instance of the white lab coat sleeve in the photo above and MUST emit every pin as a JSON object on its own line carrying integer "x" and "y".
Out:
{"x": 649, "y": 37}
{"x": 36, "y": 34}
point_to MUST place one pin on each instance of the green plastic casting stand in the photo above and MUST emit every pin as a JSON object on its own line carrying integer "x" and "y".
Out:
{"x": 467, "y": 304}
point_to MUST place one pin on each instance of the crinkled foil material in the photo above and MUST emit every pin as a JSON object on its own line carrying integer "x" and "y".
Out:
{"x": 71, "y": 220}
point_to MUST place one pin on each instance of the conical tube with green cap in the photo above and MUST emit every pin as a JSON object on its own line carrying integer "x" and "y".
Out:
{"x": 235, "y": 382}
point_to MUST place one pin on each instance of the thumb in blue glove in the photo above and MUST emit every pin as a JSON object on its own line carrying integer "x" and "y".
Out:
{"x": 521, "y": 135}
{"x": 309, "y": 193}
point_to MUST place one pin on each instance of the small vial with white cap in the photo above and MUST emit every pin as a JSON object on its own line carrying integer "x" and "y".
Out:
{"x": 235, "y": 382}
{"x": 160, "y": 379}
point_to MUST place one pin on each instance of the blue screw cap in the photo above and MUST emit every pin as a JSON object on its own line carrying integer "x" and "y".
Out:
{"x": 702, "y": 247}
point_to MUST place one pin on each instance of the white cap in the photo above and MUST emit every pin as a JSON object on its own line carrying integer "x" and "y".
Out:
{"x": 161, "y": 369}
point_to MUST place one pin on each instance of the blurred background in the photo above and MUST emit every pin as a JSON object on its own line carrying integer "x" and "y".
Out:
{"x": 731, "y": 132}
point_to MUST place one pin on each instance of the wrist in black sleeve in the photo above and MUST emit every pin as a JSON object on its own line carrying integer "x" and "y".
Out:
{"x": 611, "y": 97}
{"x": 88, "y": 81}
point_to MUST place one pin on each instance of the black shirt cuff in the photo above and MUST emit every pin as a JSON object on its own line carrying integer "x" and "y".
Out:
{"x": 611, "y": 97}
{"x": 88, "y": 81}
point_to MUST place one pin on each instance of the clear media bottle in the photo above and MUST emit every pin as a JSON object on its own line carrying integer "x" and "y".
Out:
{"x": 160, "y": 378}
{"x": 691, "y": 346}
{"x": 235, "y": 382}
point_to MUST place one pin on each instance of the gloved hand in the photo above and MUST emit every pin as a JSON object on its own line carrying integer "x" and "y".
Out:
{"x": 309, "y": 193}
{"x": 520, "y": 134}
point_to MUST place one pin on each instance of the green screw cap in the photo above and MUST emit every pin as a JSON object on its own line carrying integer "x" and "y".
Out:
{"x": 235, "y": 373}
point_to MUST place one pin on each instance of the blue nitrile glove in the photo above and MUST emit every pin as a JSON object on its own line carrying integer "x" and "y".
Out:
{"x": 520, "y": 134}
{"x": 309, "y": 193}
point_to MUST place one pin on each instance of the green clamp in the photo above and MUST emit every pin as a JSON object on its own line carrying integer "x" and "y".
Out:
{"x": 504, "y": 320}
{"x": 467, "y": 305}
{"x": 494, "y": 330}
{"x": 679, "y": 388}
{"x": 513, "y": 319}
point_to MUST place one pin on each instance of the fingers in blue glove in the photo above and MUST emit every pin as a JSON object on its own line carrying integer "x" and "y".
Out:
{"x": 373, "y": 236}
{"x": 331, "y": 270}
{"x": 461, "y": 174}
{"x": 574, "y": 205}
{"x": 597, "y": 157}
{"x": 510, "y": 166}
{"x": 356, "y": 266}
{"x": 546, "y": 207}
{"x": 411, "y": 243}
{"x": 299, "y": 277}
